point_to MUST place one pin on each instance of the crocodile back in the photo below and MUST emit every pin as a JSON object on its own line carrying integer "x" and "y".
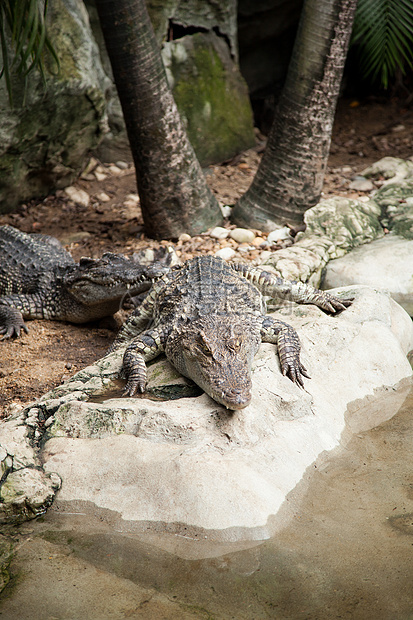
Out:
{"x": 25, "y": 259}
{"x": 205, "y": 285}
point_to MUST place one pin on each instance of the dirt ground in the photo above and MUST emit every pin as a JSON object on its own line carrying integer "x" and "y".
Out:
{"x": 52, "y": 352}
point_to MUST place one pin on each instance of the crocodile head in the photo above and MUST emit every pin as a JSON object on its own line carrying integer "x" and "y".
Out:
{"x": 108, "y": 279}
{"x": 217, "y": 353}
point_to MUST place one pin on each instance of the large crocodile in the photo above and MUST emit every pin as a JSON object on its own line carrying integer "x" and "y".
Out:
{"x": 209, "y": 317}
{"x": 39, "y": 279}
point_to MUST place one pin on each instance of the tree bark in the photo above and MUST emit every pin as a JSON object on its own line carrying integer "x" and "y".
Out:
{"x": 290, "y": 177}
{"x": 173, "y": 192}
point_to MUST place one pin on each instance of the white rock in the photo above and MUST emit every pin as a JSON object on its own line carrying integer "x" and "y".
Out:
{"x": 133, "y": 198}
{"x": 122, "y": 165}
{"x": 361, "y": 184}
{"x": 219, "y": 232}
{"x": 242, "y": 235}
{"x": 386, "y": 263}
{"x": 226, "y": 253}
{"x": 78, "y": 196}
{"x": 184, "y": 237}
{"x": 279, "y": 234}
{"x": 114, "y": 170}
{"x": 225, "y": 210}
{"x": 103, "y": 197}
{"x": 191, "y": 462}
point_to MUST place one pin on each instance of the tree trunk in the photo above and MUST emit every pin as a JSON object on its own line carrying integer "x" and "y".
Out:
{"x": 173, "y": 193}
{"x": 290, "y": 177}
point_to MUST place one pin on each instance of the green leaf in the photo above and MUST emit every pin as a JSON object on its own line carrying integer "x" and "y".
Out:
{"x": 24, "y": 40}
{"x": 383, "y": 35}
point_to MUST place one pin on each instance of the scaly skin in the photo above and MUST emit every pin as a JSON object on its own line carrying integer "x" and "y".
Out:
{"x": 209, "y": 319}
{"x": 40, "y": 280}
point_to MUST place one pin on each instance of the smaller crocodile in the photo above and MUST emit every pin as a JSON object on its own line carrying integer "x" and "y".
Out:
{"x": 40, "y": 280}
{"x": 209, "y": 317}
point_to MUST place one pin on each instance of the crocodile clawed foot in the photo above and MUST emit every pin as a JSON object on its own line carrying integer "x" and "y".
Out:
{"x": 296, "y": 373}
{"x": 12, "y": 330}
{"x": 132, "y": 387}
{"x": 335, "y": 305}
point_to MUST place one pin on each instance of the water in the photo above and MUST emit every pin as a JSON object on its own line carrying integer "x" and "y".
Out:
{"x": 342, "y": 548}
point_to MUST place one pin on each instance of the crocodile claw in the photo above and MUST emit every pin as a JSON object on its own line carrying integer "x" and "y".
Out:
{"x": 334, "y": 304}
{"x": 11, "y": 330}
{"x": 132, "y": 387}
{"x": 295, "y": 372}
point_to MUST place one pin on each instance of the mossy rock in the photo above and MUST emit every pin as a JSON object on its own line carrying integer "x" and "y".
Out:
{"x": 396, "y": 202}
{"x": 46, "y": 136}
{"x": 211, "y": 95}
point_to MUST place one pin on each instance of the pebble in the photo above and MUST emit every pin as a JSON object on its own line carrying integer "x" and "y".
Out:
{"x": 184, "y": 237}
{"x": 78, "y": 196}
{"x": 361, "y": 184}
{"x": 90, "y": 166}
{"x": 115, "y": 170}
{"x": 219, "y": 233}
{"x": 346, "y": 169}
{"x": 242, "y": 235}
{"x": 279, "y": 234}
{"x": 225, "y": 253}
{"x": 134, "y": 197}
{"x": 122, "y": 165}
{"x": 225, "y": 210}
{"x": 103, "y": 197}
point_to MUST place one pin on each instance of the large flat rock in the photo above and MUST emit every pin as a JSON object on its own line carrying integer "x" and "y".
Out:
{"x": 386, "y": 263}
{"x": 190, "y": 465}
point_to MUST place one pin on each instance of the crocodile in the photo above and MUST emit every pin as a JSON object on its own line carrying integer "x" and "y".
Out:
{"x": 39, "y": 279}
{"x": 209, "y": 318}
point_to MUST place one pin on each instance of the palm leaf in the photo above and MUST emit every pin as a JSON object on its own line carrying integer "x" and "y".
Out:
{"x": 383, "y": 35}
{"x": 23, "y": 39}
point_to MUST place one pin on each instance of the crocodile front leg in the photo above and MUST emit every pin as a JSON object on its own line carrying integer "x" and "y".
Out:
{"x": 291, "y": 290}
{"x": 288, "y": 345}
{"x": 11, "y": 322}
{"x": 145, "y": 347}
{"x": 15, "y": 308}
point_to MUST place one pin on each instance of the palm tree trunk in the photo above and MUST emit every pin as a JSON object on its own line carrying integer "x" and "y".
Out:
{"x": 290, "y": 177}
{"x": 173, "y": 192}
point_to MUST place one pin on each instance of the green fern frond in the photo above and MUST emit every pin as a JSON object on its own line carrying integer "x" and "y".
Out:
{"x": 23, "y": 39}
{"x": 383, "y": 33}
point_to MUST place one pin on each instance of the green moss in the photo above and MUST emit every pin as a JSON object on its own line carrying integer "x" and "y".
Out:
{"x": 212, "y": 97}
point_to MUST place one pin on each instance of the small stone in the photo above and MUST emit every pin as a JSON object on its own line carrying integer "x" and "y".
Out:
{"x": 100, "y": 176}
{"x": 225, "y": 210}
{"x": 114, "y": 170}
{"x": 102, "y": 197}
{"x": 133, "y": 197}
{"x": 90, "y": 166}
{"x": 68, "y": 365}
{"x": 78, "y": 196}
{"x": 361, "y": 184}
{"x": 225, "y": 253}
{"x": 346, "y": 169}
{"x": 242, "y": 235}
{"x": 122, "y": 165}
{"x": 398, "y": 128}
{"x": 279, "y": 234}
{"x": 219, "y": 233}
{"x": 184, "y": 237}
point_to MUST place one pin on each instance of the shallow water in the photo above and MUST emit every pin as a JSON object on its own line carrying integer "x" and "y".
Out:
{"x": 342, "y": 548}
